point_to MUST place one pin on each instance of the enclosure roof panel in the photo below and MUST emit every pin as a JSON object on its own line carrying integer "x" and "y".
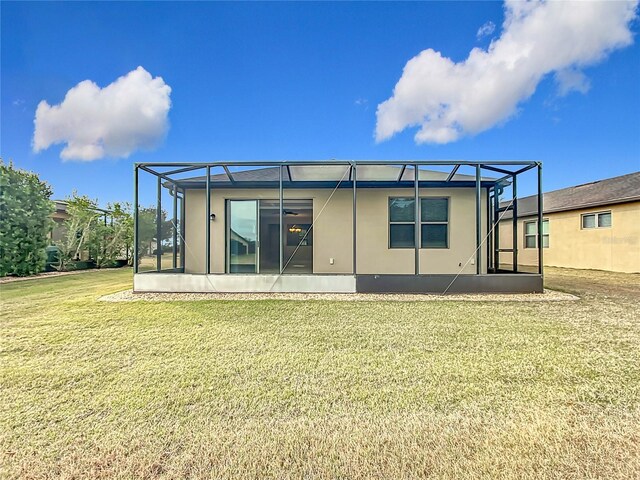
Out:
{"x": 330, "y": 173}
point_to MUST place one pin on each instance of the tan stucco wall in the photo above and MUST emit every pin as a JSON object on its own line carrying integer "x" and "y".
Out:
{"x": 333, "y": 230}
{"x": 616, "y": 248}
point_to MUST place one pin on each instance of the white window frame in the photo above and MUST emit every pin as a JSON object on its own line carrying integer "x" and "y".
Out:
{"x": 535, "y": 235}
{"x": 596, "y": 216}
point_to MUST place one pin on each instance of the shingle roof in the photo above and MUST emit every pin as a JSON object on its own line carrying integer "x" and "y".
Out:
{"x": 625, "y": 188}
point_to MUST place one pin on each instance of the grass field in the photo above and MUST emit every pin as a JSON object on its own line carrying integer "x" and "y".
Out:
{"x": 318, "y": 389}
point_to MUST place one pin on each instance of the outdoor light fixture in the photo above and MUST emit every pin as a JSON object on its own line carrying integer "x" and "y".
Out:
{"x": 212, "y": 216}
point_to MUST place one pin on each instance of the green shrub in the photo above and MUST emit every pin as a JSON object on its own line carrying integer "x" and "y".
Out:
{"x": 25, "y": 221}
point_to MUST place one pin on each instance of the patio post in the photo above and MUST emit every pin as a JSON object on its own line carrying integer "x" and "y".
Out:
{"x": 490, "y": 221}
{"x": 207, "y": 243}
{"x": 135, "y": 219}
{"x": 478, "y": 221}
{"x": 175, "y": 226}
{"x": 514, "y": 221}
{"x": 182, "y": 230}
{"x": 416, "y": 219}
{"x": 496, "y": 227}
{"x": 354, "y": 173}
{"x": 540, "y": 221}
{"x": 280, "y": 217}
{"x": 159, "y": 227}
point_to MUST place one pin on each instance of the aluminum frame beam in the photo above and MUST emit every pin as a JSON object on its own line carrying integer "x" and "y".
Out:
{"x": 354, "y": 226}
{"x": 416, "y": 231}
{"x": 159, "y": 226}
{"x": 540, "y": 223}
{"x": 136, "y": 234}
{"x": 207, "y": 242}
{"x": 478, "y": 220}
{"x": 195, "y": 165}
{"x": 514, "y": 222}
{"x": 280, "y": 218}
{"x": 453, "y": 172}
{"x": 175, "y": 227}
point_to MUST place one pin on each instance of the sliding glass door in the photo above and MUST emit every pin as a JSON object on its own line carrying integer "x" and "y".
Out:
{"x": 253, "y": 236}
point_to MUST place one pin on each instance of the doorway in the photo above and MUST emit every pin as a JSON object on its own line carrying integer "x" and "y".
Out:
{"x": 253, "y": 236}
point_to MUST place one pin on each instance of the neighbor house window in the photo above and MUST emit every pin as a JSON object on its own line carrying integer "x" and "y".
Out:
{"x": 531, "y": 234}
{"x": 596, "y": 220}
{"x": 402, "y": 222}
{"x": 434, "y": 222}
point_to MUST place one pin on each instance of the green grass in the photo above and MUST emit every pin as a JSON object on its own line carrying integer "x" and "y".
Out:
{"x": 319, "y": 389}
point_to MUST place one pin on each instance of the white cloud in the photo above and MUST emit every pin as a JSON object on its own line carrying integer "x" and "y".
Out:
{"x": 486, "y": 29}
{"x": 448, "y": 100}
{"x": 126, "y": 115}
{"x": 571, "y": 79}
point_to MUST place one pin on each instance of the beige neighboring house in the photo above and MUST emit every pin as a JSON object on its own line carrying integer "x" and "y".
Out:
{"x": 591, "y": 226}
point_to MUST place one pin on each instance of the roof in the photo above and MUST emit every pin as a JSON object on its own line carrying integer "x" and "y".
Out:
{"x": 61, "y": 207}
{"x": 625, "y": 188}
{"x": 328, "y": 173}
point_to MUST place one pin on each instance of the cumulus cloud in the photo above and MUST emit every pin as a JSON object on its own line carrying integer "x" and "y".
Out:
{"x": 127, "y": 115}
{"x": 486, "y": 29}
{"x": 448, "y": 100}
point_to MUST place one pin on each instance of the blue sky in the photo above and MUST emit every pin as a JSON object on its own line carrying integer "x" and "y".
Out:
{"x": 261, "y": 81}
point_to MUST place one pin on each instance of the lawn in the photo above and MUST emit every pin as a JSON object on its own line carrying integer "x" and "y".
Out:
{"x": 319, "y": 389}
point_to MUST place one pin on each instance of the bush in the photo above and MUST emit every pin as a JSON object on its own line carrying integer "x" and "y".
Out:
{"x": 25, "y": 221}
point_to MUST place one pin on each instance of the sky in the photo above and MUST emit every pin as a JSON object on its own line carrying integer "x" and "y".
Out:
{"x": 90, "y": 88}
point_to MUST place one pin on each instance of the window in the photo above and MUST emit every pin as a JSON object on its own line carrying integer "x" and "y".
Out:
{"x": 596, "y": 220}
{"x": 401, "y": 222}
{"x": 434, "y": 222}
{"x": 531, "y": 234}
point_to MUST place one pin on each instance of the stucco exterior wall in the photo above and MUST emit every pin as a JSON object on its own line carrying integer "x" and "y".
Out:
{"x": 333, "y": 230}
{"x": 615, "y": 248}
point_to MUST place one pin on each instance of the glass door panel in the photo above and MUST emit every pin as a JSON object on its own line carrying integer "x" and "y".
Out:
{"x": 298, "y": 236}
{"x": 242, "y": 236}
{"x": 269, "y": 236}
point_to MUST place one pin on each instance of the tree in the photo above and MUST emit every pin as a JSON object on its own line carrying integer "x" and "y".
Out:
{"x": 80, "y": 230}
{"x": 147, "y": 230}
{"x": 114, "y": 237}
{"x": 25, "y": 221}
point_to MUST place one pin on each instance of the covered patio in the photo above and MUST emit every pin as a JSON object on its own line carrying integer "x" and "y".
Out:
{"x": 193, "y": 240}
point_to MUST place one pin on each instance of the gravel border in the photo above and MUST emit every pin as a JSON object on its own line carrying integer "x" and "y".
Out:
{"x": 129, "y": 296}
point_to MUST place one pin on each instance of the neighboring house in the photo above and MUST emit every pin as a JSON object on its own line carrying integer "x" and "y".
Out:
{"x": 59, "y": 216}
{"x": 590, "y": 226}
{"x": 58, "y": 231}
{"x": 330, "y": 227}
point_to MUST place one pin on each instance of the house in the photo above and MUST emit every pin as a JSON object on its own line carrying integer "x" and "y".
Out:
{"x": 591, "y": 226}
{"x": 328, "y": 226}
{"x": 59, "y": 217}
